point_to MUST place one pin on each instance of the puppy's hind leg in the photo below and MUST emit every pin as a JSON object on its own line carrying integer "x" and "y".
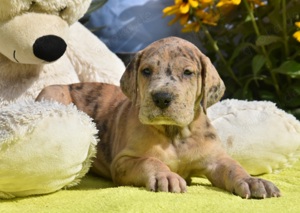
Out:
{"x": 59, "y": 93}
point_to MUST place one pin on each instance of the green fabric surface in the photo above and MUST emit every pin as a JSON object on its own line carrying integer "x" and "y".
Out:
{"x": 94, "y": 194}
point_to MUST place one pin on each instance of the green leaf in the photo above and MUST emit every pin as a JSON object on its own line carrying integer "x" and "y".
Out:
{"x": 244, "y": 48}
{"x": 297, "y": 89}
{"x": 257, "y": 63}
{"x": 267, "y": 39}
{"x": 292, "y": 102}
{"x": 296, "y": 113}
{"x": 243, "y": 94}
{"x": 267, "y": 95}
{"x": 275, "y": 3}
{"x": 290, "y": 68}
{"x": 275, "y": 18}
{"x": 291, "y": 96}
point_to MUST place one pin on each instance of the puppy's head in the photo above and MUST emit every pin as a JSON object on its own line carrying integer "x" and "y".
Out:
{"x": 168, "y": 80}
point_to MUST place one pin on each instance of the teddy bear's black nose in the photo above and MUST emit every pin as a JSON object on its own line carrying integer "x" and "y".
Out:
{"x": 49, "y": 47}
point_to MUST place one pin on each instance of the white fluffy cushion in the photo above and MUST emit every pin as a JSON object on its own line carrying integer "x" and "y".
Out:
{"x": 263, "y": 138}
{"x": 44, "y": 146}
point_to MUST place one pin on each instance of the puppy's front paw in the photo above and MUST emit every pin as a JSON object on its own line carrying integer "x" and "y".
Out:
{"x": 166, "y": 182}
{"x": 256, "y": 188}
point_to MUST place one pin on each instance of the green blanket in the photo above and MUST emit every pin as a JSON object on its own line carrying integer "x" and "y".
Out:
{"x": 94, "y": 194}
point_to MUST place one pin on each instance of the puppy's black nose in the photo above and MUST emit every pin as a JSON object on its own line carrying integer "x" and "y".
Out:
{"x": 162, "y": 99}
{"x": 49, "y": 47}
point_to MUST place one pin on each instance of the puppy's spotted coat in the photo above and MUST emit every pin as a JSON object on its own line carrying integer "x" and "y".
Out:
{"x": 156, "y": 133}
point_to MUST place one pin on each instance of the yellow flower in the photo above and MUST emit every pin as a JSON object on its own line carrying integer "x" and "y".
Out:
{"x": 186, "y": 4}
{"x": 183, "y": 19}
{"x": 227, "y": 6}
{"x": 171, "y": 10}
{"x": 194, "y": 26}
{"x": 208, "y": 18}
{"x": 206, "y": 3}
{"x": 237, "y": 2}
{"x": 181, "y": 7}
{"x": 296, "y": 35}
{"x": 183, "y": 13}
{"x": 228, "y": 2}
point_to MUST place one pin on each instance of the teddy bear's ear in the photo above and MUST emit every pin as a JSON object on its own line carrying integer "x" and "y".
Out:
{"x": 128, "y": 83}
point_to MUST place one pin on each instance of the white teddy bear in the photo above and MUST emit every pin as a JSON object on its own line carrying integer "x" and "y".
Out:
{"x": 46, "y": 146}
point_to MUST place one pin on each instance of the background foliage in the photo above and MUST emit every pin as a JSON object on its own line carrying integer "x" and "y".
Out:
{"x": 251, "y": 45}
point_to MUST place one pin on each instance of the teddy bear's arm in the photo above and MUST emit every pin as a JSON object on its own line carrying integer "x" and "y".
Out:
{"x": 92, "y": 60}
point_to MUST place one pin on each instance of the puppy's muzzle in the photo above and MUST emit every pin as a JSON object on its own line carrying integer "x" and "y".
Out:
{"x": 162, "y": 99}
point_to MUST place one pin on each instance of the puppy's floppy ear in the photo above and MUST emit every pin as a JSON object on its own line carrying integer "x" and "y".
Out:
{"x": 213, "y": 87}
{"x": 128, "y": 82}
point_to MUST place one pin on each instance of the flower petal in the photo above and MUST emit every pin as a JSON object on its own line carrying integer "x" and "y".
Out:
{"x": 207, "y": 1}
{"x": 228, "y": 2}
{"x": 184, "y": 19}
{"x": 177, "y": 17}
{"x": 170, "y": 10}
{"x": 195, "y": 26}
{"x": 236, "y": 2}
{"x": 297, "y": 24}
{"x": 296, "y": 35}
{"x": 184, "y": 8}
{"x": 194, "y": 3}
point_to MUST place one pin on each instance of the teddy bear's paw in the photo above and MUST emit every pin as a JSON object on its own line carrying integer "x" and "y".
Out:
{"x": 44, "y": 146}
{"x": 262, "y": 137}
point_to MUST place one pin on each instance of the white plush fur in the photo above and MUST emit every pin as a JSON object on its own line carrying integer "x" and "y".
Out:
{"x": 44, "y": 150}
{"x": 263, "y": 138}
{"x": 45, "y": 146}
{"x": 70, "y": 11}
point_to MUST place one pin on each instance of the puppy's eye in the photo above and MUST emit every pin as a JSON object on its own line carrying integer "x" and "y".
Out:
{"x": 146, "y": 72}
{"x": 187, "y": 72}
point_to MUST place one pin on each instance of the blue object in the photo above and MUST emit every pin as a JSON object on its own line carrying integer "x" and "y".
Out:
{"x": 130, "y": 26}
